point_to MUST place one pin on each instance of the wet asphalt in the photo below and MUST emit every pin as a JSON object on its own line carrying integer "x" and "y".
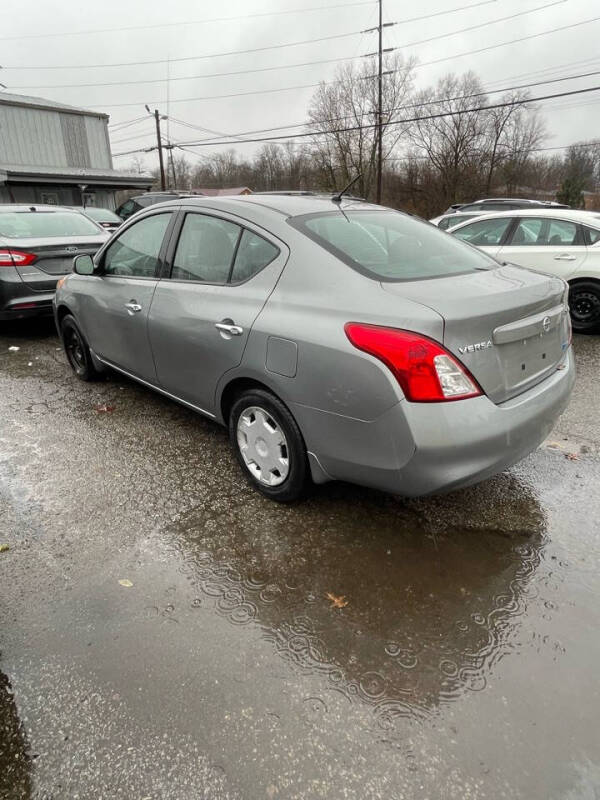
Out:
{"x": 165, "y": 632}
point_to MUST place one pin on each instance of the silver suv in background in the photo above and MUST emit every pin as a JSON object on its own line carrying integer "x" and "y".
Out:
{"x": 337, "y": 340}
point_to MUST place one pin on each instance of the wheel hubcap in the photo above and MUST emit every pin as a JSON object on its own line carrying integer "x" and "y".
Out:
{"x": 263, "y": 446}
{"x": 585, "y": 307}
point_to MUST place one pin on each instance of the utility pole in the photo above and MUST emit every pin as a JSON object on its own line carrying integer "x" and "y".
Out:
{"x": 380, "y": 105}
{"x": 159, "y": 146}
{"x": 380, "y": 75}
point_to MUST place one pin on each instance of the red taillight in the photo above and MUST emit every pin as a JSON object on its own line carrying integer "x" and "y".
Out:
{"x": 16, "y": 258}
{"x": 426, "y": 371}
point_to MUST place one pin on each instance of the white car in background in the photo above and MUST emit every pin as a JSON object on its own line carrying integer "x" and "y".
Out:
{"x": 561, "y": 242}
{"x": 448, "y": 221}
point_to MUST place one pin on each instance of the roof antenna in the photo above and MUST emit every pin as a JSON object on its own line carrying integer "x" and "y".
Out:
{"x": 337, "y": 198}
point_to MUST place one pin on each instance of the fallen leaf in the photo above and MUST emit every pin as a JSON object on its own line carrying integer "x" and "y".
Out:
{"x": 103, "y": 408}
{"x": 4, "y": 548}
{"x": 572, "y": 456}
{"x": 337, "y": 602}
{"x": 13, "y": 348}
{"x": 554, "y": 444}
{"x": 126, "y": 583}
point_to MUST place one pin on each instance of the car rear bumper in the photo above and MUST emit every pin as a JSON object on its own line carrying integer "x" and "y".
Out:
{"x": 416, "y": 449}
{"x": 22, "y": 304}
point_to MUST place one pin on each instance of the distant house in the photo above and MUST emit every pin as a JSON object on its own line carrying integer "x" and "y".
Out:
{"x": 224, "y": 192}
{"x": 58, "y": 154}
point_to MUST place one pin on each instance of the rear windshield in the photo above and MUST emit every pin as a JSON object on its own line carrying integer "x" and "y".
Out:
{"x": 39, "y": 224}
{"x": 390, "y": 246}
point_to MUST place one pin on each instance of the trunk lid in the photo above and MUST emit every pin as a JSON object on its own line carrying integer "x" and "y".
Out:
{"x": 509, "y": 326}
{"x": 53, "y": 257}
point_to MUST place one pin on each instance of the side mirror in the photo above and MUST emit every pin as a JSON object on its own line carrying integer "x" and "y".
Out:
{"x": 83, "y": 265}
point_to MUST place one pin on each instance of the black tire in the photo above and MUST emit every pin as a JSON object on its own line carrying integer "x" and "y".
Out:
{"x": 297, "y": 480}
{"x": 584, "y": 305}
{"x": 77, "y": 350}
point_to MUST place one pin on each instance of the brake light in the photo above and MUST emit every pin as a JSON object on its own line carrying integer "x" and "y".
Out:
{"x": 426, "y": 372}
{"x": 16, "y": 258}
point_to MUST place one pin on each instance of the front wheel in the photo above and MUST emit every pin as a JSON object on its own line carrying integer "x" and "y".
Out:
{"x": 77, "y": 350}
{"x": 269, "y": 446}
{"x": 584, "y": 305}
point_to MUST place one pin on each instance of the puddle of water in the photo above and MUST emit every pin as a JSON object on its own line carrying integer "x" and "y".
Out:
{"x": 430, "y": 608}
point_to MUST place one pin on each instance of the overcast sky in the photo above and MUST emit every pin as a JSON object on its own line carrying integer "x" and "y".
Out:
{"x": 33, "y": 37}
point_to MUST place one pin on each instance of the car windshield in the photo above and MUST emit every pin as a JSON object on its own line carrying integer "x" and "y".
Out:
{"x": 41, "y": 224}
{"x": 101, "y": 214}
{"x": 391, "y": 246}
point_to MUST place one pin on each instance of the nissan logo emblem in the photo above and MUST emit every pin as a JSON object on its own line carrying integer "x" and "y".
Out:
{"x": 546, "y": 323}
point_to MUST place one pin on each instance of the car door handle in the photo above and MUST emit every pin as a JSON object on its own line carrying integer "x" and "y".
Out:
{"x": 133, "y": 307}
{"x": 565, "y": 257}
{"x": 229, "y": 327}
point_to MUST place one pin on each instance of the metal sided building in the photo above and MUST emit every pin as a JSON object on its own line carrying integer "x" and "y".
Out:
{"x": 58, "y": 154}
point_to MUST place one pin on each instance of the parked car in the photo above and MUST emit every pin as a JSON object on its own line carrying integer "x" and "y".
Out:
{"x": 37, "y": 244}
{"x": 489, "y": 204}
{"x": 135, "y": 204}
{"x": 561, "y": 242}
{"x": 336, "y": 339}
{"x": 103, "y": 216}
{"x": 447, "y": 221}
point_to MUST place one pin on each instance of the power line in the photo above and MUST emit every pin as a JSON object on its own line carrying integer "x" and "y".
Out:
{"x": 458, "y": 112}
{"x": 282, "y": 66}
{"x": 278, "y": 67}
{"x": 504, "y": 44}
{"x": 484, "y": 24}
{"x": 194, "y": 58}
{"x": 185, "y": 22}
{"x": 423, "y": 64}
{"x": 391, "y": 110}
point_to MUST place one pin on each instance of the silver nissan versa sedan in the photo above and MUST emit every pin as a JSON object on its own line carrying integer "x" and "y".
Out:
{"x": 336, "y": 339}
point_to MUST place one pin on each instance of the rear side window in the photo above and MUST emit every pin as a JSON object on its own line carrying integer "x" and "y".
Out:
{"x": 254, "y": 253}
{"x": 484, "y": 233}
{"x": 135, "y": 253}
{"x": 593, "y": 235}
{"x": 205, "y": 249}
{"x": 390, "y": 246}
{"x": 561, "y": 233}
{"x": 41, "y": 224}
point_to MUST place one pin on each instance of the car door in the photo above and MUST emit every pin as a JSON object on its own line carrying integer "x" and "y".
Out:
{"x": 549, "y": 245}
{"x": 222, "y": 273}
{"x": 487, "y": 234}
{"x": 115, "y": 309}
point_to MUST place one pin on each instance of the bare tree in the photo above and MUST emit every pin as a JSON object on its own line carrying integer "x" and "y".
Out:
{"x": 344, "y": 113}
{"x": 452, "y": 136}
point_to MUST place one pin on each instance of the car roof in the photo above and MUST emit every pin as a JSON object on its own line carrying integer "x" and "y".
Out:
{"x": 7, "y": 207}
{"x": 572, "y": 214}
{"x": 286, "y": 204}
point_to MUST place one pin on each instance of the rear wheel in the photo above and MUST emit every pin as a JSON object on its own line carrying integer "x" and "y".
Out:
{"x": 584, "y": 305}
{"x": 77, "y": 350}
{"x": 269, "y": 446}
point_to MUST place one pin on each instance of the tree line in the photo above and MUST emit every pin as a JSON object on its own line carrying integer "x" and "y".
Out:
{"x": 446, "y": 144}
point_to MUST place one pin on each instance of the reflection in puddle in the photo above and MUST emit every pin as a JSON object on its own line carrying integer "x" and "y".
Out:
{"x": 431, "y": 607}
{"x": 15, "y": 764}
